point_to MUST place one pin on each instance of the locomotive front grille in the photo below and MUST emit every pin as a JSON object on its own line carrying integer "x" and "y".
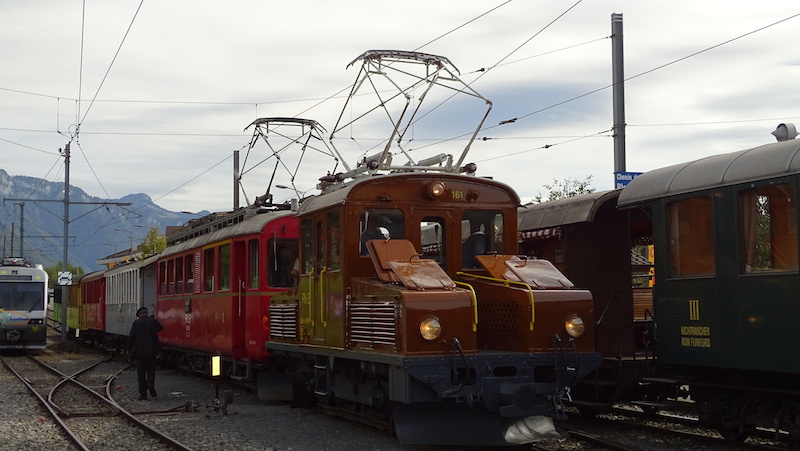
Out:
{"x": 283, "y": 320}
{"x": 499, "y": 325}
{"x": 373, "y": 323}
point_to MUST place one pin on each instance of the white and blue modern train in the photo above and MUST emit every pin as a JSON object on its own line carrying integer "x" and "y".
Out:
{"x": 23, "y": 304}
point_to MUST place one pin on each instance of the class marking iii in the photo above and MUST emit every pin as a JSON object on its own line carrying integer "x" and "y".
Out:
{"x": 694, "y": 309}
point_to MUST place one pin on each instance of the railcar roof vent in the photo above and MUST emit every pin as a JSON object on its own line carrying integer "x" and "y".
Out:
{"x": 785, "y": 132}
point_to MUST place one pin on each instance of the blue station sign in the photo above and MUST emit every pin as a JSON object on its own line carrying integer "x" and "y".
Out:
{"x": 623, "y": 178}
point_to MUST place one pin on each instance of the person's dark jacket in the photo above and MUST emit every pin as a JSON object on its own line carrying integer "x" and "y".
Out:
{"x": 142, "y": 340}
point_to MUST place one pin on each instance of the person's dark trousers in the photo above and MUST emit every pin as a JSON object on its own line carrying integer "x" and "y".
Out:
{"x": 146, "y": 371}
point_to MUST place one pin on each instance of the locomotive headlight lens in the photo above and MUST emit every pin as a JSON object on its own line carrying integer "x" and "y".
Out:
{"x": 430, "y": 328}
{"x": 436, "y": 189}
{"x": 575, "y": 326}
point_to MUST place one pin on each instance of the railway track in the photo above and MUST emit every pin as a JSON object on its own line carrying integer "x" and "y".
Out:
{"x": 78, "y": 399}
{"x": 624, "y": 430}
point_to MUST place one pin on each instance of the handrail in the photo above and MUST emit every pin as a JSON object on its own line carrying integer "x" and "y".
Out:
{"x": 506, "y": 283}
{"x": 322, "y": 296}
{"x": 474, "y": 303}
{"x": 309, "y": 297}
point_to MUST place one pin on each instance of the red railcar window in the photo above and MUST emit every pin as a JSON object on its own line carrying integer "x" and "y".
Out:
{"x": 171, "y": 277}
{"x": 208, "y": 269}
{"x": 179, "y": 275}
{"x": 225, "y": 267}
{"x": 162, "y": 278}
{"x": 190, "y": 273}
{"x": 252, "y": 263}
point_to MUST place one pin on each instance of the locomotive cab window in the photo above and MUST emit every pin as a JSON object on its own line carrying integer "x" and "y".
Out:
{"x": 282, "y": 257}
{"x": 379, "y": 224}
{"x": 768, "y": 229}
{"x": 432, "y": 233}
{"x": 334, "y": 242}
{"x": 690, "y": 228}
{"x": 481, "y": 233}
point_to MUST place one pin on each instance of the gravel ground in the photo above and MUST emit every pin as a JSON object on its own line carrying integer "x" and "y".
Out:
{"x": 248, "y": 425}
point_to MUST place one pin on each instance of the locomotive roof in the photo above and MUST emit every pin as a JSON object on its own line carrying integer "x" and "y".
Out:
{"x": 568, "y": 210}
{"x": 338, "y": 195}
{"x": 252, "y": 224}
{"x": 758, "y": 163}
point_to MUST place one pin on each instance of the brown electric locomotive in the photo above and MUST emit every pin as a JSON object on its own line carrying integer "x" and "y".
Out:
{"x": 412, "y": 308}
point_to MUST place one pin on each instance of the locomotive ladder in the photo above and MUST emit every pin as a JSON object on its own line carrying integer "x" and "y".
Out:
{"x": 321, "y": 375}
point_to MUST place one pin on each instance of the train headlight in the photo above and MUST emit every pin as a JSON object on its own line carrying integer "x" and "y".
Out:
{"x": 575, "y": 326}
{"x": 430, "y": 328}
{"x": 436, "y": 189}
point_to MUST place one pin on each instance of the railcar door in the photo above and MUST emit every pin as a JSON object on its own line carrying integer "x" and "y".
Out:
{"x": 318, "y": 277}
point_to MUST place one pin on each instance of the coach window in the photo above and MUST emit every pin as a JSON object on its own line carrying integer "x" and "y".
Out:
{"x": 190, "y": 274}
{"x": 179, "y": 275}
{"x": 690, "y": 230}
{"x": 768, "y": 226}
{"x": 432, "y": 233}
{"x": 225, "y": 267}
{"x": 208, "y": 269}
{"x": 379, "y": 224}
{"x": 252, "y": 263}
{"x": 481, "y": 233}
{"x": 334, "y": 242}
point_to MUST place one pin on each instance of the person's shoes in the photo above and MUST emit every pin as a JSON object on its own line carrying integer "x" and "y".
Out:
{"x": 143, "y": 397}
{"x": 152, "y": 392}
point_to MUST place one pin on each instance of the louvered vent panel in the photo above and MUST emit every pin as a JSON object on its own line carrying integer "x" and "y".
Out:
{"x": 373, "y": 323}
{"x": 283, "y": 320}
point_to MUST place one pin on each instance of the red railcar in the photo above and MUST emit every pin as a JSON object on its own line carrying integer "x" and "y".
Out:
{"x": 215, "y": 283}
{"x": 92, "y": 317}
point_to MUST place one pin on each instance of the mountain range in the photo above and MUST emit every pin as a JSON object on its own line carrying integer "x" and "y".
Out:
{"x": 97, "y": 227}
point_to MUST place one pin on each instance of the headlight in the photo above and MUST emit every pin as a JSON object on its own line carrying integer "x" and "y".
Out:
{"x": 575, "y": 326}
{"x": 430, "y": 329}
{"x": 435, "y": 189}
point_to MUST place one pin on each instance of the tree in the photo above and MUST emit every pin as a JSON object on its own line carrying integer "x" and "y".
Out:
{"x": 153, "y": 243}
{"x": 565, "y": 188}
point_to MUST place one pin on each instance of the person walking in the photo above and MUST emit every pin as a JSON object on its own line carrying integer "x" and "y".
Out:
{"x": 144, "y": 346}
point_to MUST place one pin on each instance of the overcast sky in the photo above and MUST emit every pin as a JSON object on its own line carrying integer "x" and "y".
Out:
{"x": 167, "y": 87}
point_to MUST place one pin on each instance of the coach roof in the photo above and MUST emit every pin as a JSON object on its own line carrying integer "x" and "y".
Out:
{"x": 763, "y": 162}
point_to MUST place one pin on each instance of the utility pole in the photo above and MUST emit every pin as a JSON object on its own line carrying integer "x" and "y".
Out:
{"x": 21, "y": 229}
{"x": 64, "y": 265}
{"x": 618, "y": 92}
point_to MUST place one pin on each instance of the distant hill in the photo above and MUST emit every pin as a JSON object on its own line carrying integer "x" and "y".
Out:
{"x": 92, "y": 226}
